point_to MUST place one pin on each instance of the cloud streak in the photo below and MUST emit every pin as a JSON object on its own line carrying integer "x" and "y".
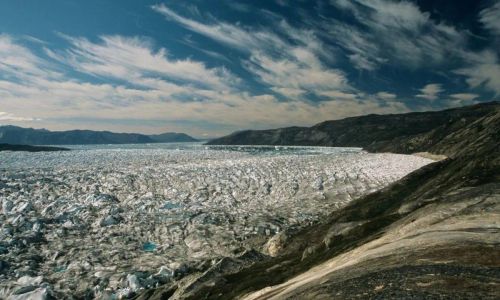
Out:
{"x": 431, "y": 91}
{"x": 490, "y": 17}
{"x": 19, "y": 62}
{"x": 159, "y": 94}
{"x": 5, "y": 116}
{"x": 130, "y": 57}
{"x": 222, "y": 32}
{"x": 288, "y": 60}
{"x": 482, "y": 70}
{"x": 393, "y": 32}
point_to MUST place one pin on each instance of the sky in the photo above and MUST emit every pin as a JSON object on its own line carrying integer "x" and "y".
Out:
{"x": 208, "y": 68}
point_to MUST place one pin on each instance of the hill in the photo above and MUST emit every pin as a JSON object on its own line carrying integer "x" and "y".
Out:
{"x": 400, "y": 133}
{"x": 30, "y": 136}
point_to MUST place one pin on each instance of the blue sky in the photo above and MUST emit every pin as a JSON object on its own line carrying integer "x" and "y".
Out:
{"x": 211, "y": 67}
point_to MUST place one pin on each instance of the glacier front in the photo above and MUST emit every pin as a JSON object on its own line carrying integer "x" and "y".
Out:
{"x": 108, "y": 221}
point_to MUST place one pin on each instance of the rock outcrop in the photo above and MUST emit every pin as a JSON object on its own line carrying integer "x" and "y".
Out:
{"x": 435, "y": 234}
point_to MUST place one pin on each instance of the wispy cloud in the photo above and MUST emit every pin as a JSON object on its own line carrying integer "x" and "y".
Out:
{"x": 193, "y": 44}
{"x": 17, "y": 61}
{"x": 62, "y": 100}
{"x": 129, "y": 58}
{"x": 247, "y": 39}
{"x": 289, "y": 92}
{"x": 461, "y": 99}
{"x": 399, "y": 34}
{"x": 221, "y": 31}
{"x": 386, "y": 96}
{"x": 241, "y": 7}
{"x": 464, "y": 96}
{"x": 4, "y": 116}
{"x": 490, "y": 17}
{"x": 482, "y": 70}
{"x": 430, "y": 91}
{"x": 289, "y": 60}
{"x": 393, "y": 32}
{"x": 285, "y": 74}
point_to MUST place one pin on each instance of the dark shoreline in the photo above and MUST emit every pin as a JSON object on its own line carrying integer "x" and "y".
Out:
{"x": 29, "y": 148}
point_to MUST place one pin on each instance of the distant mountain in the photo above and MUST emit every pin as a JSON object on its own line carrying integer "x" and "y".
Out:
{"x": 401, "y": 133}
{"x": 29, "y": 136}
{"x": 170, "y": 137}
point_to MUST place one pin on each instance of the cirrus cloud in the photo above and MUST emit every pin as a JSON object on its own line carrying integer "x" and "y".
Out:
{"x": 430, "y": 91}
{"x": 135, "y": 90}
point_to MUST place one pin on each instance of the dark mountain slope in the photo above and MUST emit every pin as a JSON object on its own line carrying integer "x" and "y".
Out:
{"x": 435, "y": 234}
{"x": 401, "y": 133}
{"x": 24, "y": 136}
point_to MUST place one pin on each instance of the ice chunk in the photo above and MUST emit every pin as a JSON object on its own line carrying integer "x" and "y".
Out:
{"x": 133, "y": 282}
{"x": 7, "y": 206}
{"x": 165, "y": 272}
{"x": 110, "y": 220}
{"x": 37, "y": 294}
{"x": 28, "y": 280}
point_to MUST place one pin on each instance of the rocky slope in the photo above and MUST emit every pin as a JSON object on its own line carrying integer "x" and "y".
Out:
{"x": 401, "y": 133}
{"x": 30, "y": 136}
{"x": 435, "y": 234}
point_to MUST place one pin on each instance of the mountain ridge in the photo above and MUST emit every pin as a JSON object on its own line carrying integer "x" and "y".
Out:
{"x": 10, "y": 134}
{"x": 398, "y": 133}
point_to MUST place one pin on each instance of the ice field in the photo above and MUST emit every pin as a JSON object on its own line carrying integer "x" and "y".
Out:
{"x": 105, "y": 221}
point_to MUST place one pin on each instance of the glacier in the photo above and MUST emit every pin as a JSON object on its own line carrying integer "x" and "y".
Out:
{"x": 107, "y": 221}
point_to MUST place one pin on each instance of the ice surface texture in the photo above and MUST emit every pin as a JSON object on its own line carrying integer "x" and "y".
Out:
{"x": 119, "y": 220}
